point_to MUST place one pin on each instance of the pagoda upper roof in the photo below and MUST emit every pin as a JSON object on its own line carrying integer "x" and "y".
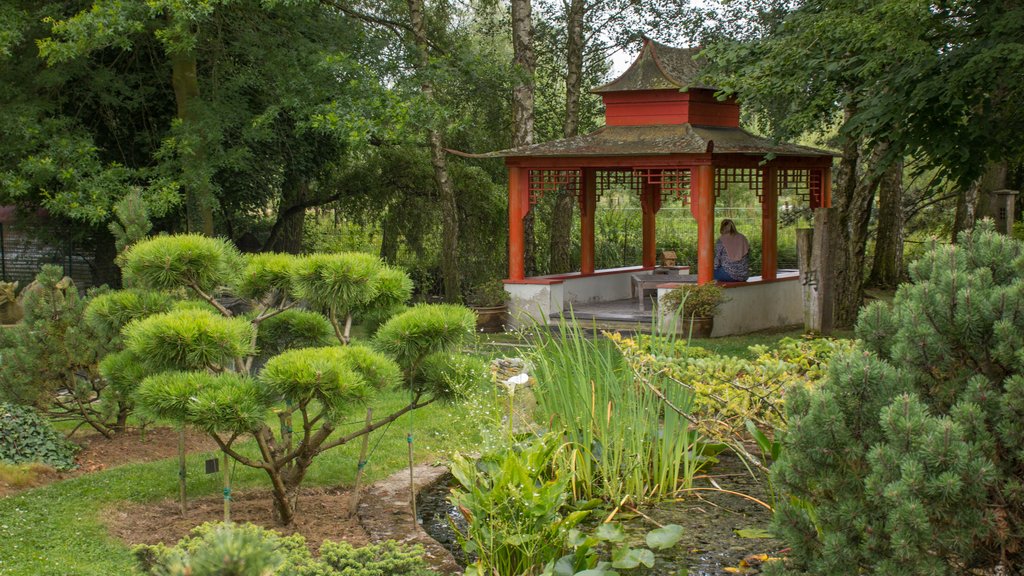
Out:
{"x": 661, "y": 140}
{"x": 659, "y": 67}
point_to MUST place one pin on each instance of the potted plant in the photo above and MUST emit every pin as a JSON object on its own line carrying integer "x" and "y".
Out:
{"x": 696, "y": 305}
{"x": 488, "y": 299}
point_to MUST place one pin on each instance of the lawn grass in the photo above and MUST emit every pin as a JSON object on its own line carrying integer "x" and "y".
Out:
{"x": 56, "y": 529}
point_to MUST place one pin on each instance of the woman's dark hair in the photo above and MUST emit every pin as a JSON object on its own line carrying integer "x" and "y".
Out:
{"x": 728, "y": 227}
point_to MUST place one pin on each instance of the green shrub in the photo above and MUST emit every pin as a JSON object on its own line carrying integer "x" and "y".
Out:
{"x": 50, "y": 359}
{"x": 293, "y": 329}
{"x": 27, "y": 437}
{"x": 185, "y": 260}
{"x": 216, "y": 549}
{"x": 691, "y": 300}
{"x": 911, "y": 452}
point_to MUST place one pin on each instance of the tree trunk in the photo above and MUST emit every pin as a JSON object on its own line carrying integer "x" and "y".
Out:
{"x": 887, "y": 268}
{"x": 561, "y": 217}
{"x": 389, "y": 238}
{"x": 293, "y": 227}
{"x": 522, "y": 107}
{"x": 199, "y": 199}
{"x": 848, "y": 231}
{"x": 439, "y": 161}
{"x": 993, "y": 178}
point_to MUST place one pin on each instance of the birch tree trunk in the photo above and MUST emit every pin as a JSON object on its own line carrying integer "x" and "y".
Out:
{"x": 439, "y": 162}
{"x": 522, "y": 107}
{"x": 561, "y": 218}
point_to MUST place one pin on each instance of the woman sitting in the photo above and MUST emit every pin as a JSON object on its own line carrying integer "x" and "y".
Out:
{"x": 732, "y": 254}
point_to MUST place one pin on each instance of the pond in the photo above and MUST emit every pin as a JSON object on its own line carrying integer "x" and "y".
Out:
{"x": 711, "y": 517}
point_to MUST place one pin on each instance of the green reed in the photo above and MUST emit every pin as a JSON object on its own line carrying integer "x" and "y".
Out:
{"x": 621, "y": 437}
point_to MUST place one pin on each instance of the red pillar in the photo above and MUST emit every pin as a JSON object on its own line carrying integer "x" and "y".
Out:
{"x": 826, "y": 187}
{"x": 650, "y": 202}
{"x": 704, "y": 189}
{"x": 588, "y": 207}
{"x": 769, "y": 224}
{"x": 518, "y": 206}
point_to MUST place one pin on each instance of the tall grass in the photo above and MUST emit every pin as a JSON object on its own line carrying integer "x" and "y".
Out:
{"x": 622, "y": 440}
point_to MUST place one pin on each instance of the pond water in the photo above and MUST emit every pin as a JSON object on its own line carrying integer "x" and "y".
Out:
{"x": 710, "y": 520}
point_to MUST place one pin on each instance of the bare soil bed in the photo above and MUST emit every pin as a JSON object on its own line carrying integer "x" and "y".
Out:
{"x": 323, "y": 514}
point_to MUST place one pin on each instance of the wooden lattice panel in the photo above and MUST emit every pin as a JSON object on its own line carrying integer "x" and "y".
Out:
{"x": 807, "y": 184}
{"x": 545, "y": 181}
{"x": 749, "y": 177}
{"x": 674, "y": 183}
{"x": 625, "y": 180}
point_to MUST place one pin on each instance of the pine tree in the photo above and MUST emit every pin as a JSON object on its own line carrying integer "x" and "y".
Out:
{"x": 909, "y": 459}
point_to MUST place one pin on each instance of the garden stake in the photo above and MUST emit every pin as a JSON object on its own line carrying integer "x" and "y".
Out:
{"x": 181, "y": 470}
{"x": 227, "y": 490}
{"x": 412, "y": 483}
{"x": 362, "y": 463}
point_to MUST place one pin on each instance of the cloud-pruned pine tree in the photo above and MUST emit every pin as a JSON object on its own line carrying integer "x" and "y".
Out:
{"x": 197, "y": 362}
{"x": 909, "y": 459}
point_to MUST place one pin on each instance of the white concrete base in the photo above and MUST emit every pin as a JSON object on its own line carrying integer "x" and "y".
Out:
{"x": 757, "y": 306}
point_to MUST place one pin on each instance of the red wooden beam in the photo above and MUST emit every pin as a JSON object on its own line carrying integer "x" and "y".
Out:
{"x": 518, "y": 198}
{"x": 703, "y": 184}
{"x": 588, "y": 207}
{"x": 769, "y": 223}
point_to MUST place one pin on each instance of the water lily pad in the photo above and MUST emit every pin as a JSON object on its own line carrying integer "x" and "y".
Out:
{"x": 665, "y": 537}
{"x": 628, "y": 558}
{"x": 754, "y": 533}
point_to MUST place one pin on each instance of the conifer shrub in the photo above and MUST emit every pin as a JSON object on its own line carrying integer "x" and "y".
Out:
{"x": 287, "y": 373}
{"x": 216, "y": 549}
{"x": 27, "y": 437}
{"x": 910, "y": 454}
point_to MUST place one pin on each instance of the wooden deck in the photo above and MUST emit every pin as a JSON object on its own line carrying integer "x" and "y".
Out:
{"x": 616, "y": 315}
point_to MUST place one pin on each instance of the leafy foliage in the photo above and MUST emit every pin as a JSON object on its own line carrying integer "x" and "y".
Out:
{"x": 513, "y": 500}
{"x": 730, "y": 391}
{"x": 27, "y": 437}
{"x": 691, "y": 300}
{"x": 919, "y": 428}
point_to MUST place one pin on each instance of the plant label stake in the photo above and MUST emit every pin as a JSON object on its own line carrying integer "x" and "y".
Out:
{"x": 362, "y": 463}
{"x": 212, "y": 465}
{"x": 181, "y": 470}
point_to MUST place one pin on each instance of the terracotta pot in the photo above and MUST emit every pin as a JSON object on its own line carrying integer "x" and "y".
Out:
{"x": 491, "y": 319}
{"x": 699, "y": 327}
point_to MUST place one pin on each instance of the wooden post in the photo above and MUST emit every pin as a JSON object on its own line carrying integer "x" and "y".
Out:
{"x": 181, "y": 471}
{"x": 769, "y": 224}
{"x": 518, "y": 196}
{"x": 361, "y": 464}
{"x": 821, "y": 263}
{"x": 588, "y": 208}
{"x": 704, "y": 189}
{"x": 227, "y": 490}
{"x": 649, "y": 204}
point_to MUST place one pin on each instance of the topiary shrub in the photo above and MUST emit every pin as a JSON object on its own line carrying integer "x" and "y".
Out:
{"x": 287, "y": 373}
{"x": 215, "y": 549}
{"x": 911, "y": 452}
{"x": 26, "y": 437}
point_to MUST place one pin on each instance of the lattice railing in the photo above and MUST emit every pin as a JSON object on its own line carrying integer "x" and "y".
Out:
{"x": 674, "y": 183}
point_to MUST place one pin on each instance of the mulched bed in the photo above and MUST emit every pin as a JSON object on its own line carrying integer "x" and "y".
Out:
{"x": 99, "y": 453}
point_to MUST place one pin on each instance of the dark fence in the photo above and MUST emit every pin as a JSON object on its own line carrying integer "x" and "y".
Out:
{"x": 21, "y": 257}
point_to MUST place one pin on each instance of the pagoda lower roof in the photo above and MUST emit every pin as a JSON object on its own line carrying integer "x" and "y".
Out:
{"x": 660, "y": 139}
